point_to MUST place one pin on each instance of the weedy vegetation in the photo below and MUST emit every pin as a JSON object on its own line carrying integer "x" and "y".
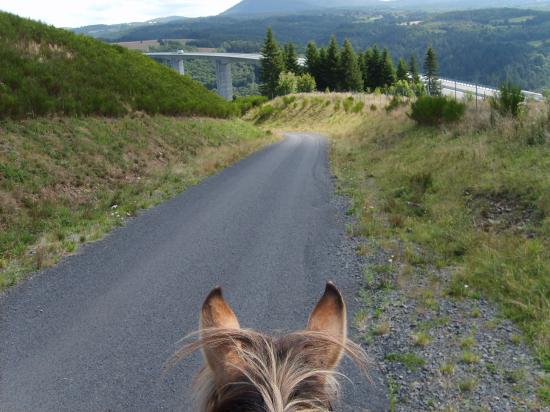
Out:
{"x": 471, "y": 196}
{"x": 67, "y": 181}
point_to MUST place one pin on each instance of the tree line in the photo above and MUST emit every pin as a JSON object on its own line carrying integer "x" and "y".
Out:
{"x": 342, "y": 69}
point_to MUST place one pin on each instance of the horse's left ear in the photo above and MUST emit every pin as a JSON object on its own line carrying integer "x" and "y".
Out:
{"x": 217, "y": 314}
{"x": 329, "y": 317}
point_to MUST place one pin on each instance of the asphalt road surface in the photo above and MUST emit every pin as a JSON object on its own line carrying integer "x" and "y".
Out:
{"x": 93, "y": 333}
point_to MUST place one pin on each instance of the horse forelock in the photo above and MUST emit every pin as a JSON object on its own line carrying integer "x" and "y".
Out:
{"x": 268, "y": 374}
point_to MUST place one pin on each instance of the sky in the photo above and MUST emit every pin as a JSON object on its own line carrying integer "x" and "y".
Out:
{"x": 76, "y": 13}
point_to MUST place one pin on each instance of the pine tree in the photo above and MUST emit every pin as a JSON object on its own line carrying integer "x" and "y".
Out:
{"x": 388, "y": 71}
{"x": 332, "y": 65}
{"x": 374, "y": 68}
{"x": 365, "y": 68}
{"x": 351, "y": 78}
{"x": 431, "y": 73}
{"x": 312, "y": 60}
{"x": 291, "y": 59}
{"x": 413, "y": 70}
{"x": 272, "y": 65}
{"x": 402, "y": 70}
{"x": 323, "y": 79}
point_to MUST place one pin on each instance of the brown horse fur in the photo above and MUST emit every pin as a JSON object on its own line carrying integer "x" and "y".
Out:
{"x": 247, "y": 371}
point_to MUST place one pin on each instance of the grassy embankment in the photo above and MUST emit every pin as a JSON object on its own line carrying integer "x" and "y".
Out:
{"x": 45, "y": 70}
{"x": 472, "y": 199}
{"x": 66, "y": 181}
{"x": 67, "y": 177}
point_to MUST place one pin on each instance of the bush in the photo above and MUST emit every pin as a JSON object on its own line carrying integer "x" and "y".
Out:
{"x": 306, "y": 83}
{"x": 435, "y": 110}
{"x": 246, "y": 103}
{"x": 358, "y": 108}
{"x": 288, "y": 84}
{"x": 265, "y": 112}
{"x": 348, "y": 103}
{"x": 509, "y": 100}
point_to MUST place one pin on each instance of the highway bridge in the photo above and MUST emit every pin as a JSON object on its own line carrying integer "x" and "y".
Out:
{"x": 224, "y": 79}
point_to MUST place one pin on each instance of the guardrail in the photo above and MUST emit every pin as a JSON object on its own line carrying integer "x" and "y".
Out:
{"x": 480, "y": 90}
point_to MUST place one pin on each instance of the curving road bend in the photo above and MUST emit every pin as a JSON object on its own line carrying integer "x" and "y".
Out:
{"x": 93, "y": 333}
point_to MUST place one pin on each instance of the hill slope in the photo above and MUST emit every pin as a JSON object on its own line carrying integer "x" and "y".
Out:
{"x": 44, "y": 70}
{"x": 251, "y": 7}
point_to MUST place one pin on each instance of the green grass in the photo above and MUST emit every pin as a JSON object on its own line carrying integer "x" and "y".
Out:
{"x": 45, "y": 70}
{"x": 469, "y": 357}
{"x": 410, "y": 360}
{"x": 67, "y": 181}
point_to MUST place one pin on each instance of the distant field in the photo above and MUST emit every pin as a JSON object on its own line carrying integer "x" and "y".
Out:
{"x": 144, "y": 45}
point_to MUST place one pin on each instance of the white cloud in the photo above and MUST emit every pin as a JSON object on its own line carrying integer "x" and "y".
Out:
{"x": 71, "y": 13}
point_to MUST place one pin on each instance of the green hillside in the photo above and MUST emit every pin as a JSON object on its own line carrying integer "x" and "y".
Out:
{"x": 44, "y": 70}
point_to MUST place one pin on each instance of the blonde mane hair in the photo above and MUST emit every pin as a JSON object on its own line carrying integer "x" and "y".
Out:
{"x": 248, "y": 371}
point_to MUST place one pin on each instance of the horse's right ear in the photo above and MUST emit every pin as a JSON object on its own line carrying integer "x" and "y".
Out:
{"x": 217, "y": 314}
{"x": 329, "y": 318}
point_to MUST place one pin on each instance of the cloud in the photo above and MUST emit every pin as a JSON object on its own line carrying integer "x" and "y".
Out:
{"x": 70, "y": 13}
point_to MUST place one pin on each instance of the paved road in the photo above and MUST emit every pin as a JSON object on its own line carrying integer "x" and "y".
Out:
{"x": 93, "y": 333}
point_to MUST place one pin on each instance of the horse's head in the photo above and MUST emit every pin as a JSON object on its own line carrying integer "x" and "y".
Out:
{"x": 248, "y": 371}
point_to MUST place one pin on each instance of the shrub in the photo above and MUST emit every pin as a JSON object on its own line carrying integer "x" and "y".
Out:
{"x": 306, "y": 83}
{"x": 348, "y": 103}
{"x": 246, "y": 103}
{"x": 265, "y": 112}
{"x": 358, "y": 108}
{"x": 435, "y": 110}
{"x": 509, "y": 100}
{"x": 402, "y": 88}
{"x": 288, "y": 84}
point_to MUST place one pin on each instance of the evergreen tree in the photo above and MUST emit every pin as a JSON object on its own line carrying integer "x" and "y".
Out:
{"x": 413, "y": 70}
{"x": 312, "y": 60}
{"x": 322, "y": 79}
{"x": 351, "y": 78}
{"x": 402, "y": 70}
{"x": 332, "y": 65}
{"x": 365, "y": 67}
{"x": 374, "y": 68}
{"x": 387, "y": 71}
{"x": 291, "y": 59}
{"x": 431, "y": 69}
{"x": 272, "y": 65}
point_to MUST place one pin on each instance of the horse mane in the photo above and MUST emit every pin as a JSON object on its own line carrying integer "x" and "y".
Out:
{"x": 269, "y": 374}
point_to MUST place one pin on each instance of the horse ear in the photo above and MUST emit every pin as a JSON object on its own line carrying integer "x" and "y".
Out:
{"x": 329, "y": 317}
{"x": 217, "y": 314}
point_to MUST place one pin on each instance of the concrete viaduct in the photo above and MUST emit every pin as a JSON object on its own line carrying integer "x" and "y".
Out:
{"x": 224, "y": 78}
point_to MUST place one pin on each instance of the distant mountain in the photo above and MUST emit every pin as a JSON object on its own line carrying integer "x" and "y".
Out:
{"x": 265, "y": 7}
{"x": 258, "y": 7}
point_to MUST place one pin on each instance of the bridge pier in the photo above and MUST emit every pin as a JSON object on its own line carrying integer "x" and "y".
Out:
{"x": 224, "y": 79}
{"x": 177, "y": 65}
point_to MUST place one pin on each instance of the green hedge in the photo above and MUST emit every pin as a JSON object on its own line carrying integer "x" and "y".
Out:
{"x": 45, "y": 70}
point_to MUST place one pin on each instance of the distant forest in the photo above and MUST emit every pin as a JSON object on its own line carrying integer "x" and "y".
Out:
{"x": 486, "y": 46}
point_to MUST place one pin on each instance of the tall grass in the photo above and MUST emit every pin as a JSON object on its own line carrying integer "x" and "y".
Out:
{"x": 66, "y": 181}
{"x": 45, "y": 70}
